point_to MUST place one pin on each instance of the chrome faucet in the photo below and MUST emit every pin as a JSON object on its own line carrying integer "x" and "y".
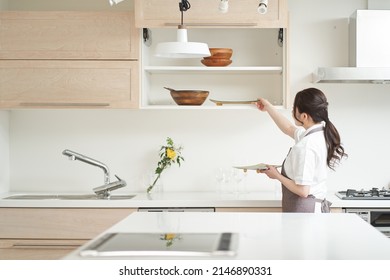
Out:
{"x": 104, "y": 190}
{"x": 76, "y": 156}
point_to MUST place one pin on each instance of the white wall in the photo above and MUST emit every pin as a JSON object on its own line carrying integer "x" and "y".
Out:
{"x": 3, "y": 4}
{"x": 128, "y": 140}
{"x": 4, "y": 151}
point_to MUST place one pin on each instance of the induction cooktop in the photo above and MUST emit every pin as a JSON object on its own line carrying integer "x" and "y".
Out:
{"x": 122, "y": 244}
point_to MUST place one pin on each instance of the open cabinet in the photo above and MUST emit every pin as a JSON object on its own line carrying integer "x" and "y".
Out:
{"x": 259, "y": 65}
{"x": 259, "y": 68}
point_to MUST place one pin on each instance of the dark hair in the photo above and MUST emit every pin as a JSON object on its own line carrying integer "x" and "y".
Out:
{"x": 313, "y": 102}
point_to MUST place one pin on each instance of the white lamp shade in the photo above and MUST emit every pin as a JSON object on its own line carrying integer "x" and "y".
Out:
{"x": 112, "y": 2}
{"x": 182, "y": 48}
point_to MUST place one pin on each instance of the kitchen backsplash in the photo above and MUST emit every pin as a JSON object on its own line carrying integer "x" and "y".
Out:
{"x": 4, "y": 151}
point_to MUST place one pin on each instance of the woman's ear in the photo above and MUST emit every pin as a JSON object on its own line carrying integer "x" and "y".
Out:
{"x": 306, "y": 117}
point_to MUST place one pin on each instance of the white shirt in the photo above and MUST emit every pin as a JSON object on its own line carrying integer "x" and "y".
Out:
{"x": 306, "y": 163}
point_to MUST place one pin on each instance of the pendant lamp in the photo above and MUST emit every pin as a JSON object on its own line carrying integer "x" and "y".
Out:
{"x": 181, "y": 48}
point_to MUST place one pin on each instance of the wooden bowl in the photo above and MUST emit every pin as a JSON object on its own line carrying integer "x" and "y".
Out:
{"x": 215, "y": 62}
{"x": 224, "y": 53}
{"x": 189, "y": 97}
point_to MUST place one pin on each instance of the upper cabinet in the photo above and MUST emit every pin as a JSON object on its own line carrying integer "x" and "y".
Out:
{"x": 65, "y": 84}
{"x": 204, "y": 13}
{"x": 69, "y": 60}
{"x": 68, "y": 35}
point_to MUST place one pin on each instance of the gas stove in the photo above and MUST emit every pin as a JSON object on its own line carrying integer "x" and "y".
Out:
{"x": 373, "y": 194}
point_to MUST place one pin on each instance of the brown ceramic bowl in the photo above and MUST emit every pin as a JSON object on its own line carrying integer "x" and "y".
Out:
{"x": 215, "y": 62}
{"x": 188, "y": 97}
{"x": 224, "y": 53}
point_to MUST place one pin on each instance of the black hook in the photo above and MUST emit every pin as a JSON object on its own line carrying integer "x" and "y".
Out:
{"x": 280, "y": 37}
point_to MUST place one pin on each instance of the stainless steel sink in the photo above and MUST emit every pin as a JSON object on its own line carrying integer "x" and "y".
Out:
{"x": 67, "y": 197}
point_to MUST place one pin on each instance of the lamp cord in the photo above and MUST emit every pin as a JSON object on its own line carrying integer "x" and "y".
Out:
{"x": 184, "y": 5}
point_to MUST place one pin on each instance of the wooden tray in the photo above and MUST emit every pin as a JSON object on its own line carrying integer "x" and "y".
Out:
{"x": 222, "y": 102}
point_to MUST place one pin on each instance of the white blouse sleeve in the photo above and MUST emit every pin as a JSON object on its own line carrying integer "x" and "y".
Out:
{"x": 304, "y": 163}
{"x": 299, "y": 134}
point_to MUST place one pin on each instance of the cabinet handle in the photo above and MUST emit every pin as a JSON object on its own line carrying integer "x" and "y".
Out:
{"x": 43, "y": 246}
{"x": 232, "y": 24}
{"x": 66, "y": 104}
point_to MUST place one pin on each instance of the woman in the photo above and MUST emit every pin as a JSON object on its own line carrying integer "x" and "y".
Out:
{"x": 317, "y": 147}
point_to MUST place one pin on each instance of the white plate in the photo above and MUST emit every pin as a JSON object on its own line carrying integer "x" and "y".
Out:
{"x": 259, "y": 166}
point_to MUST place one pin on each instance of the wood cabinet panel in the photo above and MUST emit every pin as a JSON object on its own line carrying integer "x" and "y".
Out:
{"x": 248, "y": 209}
{"x": 204, "y": 13}
{"x": 262, "y": 209}
{"x": 68, "y": 35}
{"x": 58, "y": 223}
{"x": 52, "y": 233}
{"x": 59, "y": 83}
{"x": 37, "y": 249}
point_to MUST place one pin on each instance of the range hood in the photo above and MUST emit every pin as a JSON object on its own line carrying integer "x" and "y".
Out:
{"x": 369, "y": 51}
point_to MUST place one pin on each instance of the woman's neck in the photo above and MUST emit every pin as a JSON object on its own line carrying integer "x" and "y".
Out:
{"x": 309, "y": 123}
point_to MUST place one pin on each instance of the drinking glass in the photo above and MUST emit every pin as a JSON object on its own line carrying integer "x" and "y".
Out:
{"x": 219, "y": 177}
{"x": 238, "y": 176}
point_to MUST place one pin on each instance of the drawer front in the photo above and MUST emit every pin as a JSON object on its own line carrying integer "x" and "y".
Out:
{"x": 204, "y": 13}
{"x": 40, "y": 83}
{"x": 57, "y": 223}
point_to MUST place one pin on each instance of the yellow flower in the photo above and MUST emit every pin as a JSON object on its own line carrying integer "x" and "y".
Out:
{"x": 169, "y": 236}
{"x": 171, "y": 154}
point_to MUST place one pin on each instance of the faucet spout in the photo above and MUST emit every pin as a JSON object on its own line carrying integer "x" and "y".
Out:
{"x": 76, "y": 156}
{"x": 105, "y": 190}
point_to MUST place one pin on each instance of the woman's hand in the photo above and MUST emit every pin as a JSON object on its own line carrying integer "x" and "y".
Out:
{"x": 271, "y": 172}
{"x": 262, "y": 104}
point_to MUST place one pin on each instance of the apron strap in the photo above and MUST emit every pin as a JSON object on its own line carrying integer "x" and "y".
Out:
{"x": 320, "y": 128}
{"x": 325, "y": 205}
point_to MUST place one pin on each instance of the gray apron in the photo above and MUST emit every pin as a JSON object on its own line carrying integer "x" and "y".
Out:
{"x": 292, "y": 202}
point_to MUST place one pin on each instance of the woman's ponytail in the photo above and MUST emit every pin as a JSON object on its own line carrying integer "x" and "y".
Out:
{"x": 333, "y": 144}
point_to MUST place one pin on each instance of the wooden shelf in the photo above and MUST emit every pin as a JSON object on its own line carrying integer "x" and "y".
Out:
{"x": 203, "y": 107}
{"x": 214, "y": 70}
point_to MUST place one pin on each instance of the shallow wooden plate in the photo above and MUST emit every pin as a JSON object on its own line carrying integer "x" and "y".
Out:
{"x": 222, "y": 102}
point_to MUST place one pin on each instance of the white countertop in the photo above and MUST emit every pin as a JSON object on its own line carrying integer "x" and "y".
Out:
{"x": 184, "y": 199}
{"x": 271, "y": 236}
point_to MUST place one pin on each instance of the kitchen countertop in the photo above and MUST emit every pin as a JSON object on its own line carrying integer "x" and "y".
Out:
{"x": 184, "y": 199}
{"x": 271, "y": 236}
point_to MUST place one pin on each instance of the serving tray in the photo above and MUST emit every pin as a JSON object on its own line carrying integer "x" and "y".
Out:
{"x": 231, "y": 102}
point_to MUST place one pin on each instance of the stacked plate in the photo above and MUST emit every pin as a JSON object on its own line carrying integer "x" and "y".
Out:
{"x": 219, "y": 57}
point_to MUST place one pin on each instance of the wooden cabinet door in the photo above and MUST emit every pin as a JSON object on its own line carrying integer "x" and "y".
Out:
{"x": 205, "y": 13}
{"x": 68, "y": 35}
{"x": 52, "y": 233}
{"x": 58, "y": 223}
{"x": 248, "y": 209}
{"x": 37, "y": 249}
{"x": 68, "y": 84}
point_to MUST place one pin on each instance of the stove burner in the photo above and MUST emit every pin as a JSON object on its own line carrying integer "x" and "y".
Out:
{"x": 372, "y": 194}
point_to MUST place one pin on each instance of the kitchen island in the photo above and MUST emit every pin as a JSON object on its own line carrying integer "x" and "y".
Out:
{"x": 52, "y": 228}
{"x": 268, "y": 236}
{"x": 181, "y": 200}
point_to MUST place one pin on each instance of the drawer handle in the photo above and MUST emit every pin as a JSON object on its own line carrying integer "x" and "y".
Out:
{"x": 64, "y": 104}
{"x": 48, "y": 246}
{"x": 214, "y": 24}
